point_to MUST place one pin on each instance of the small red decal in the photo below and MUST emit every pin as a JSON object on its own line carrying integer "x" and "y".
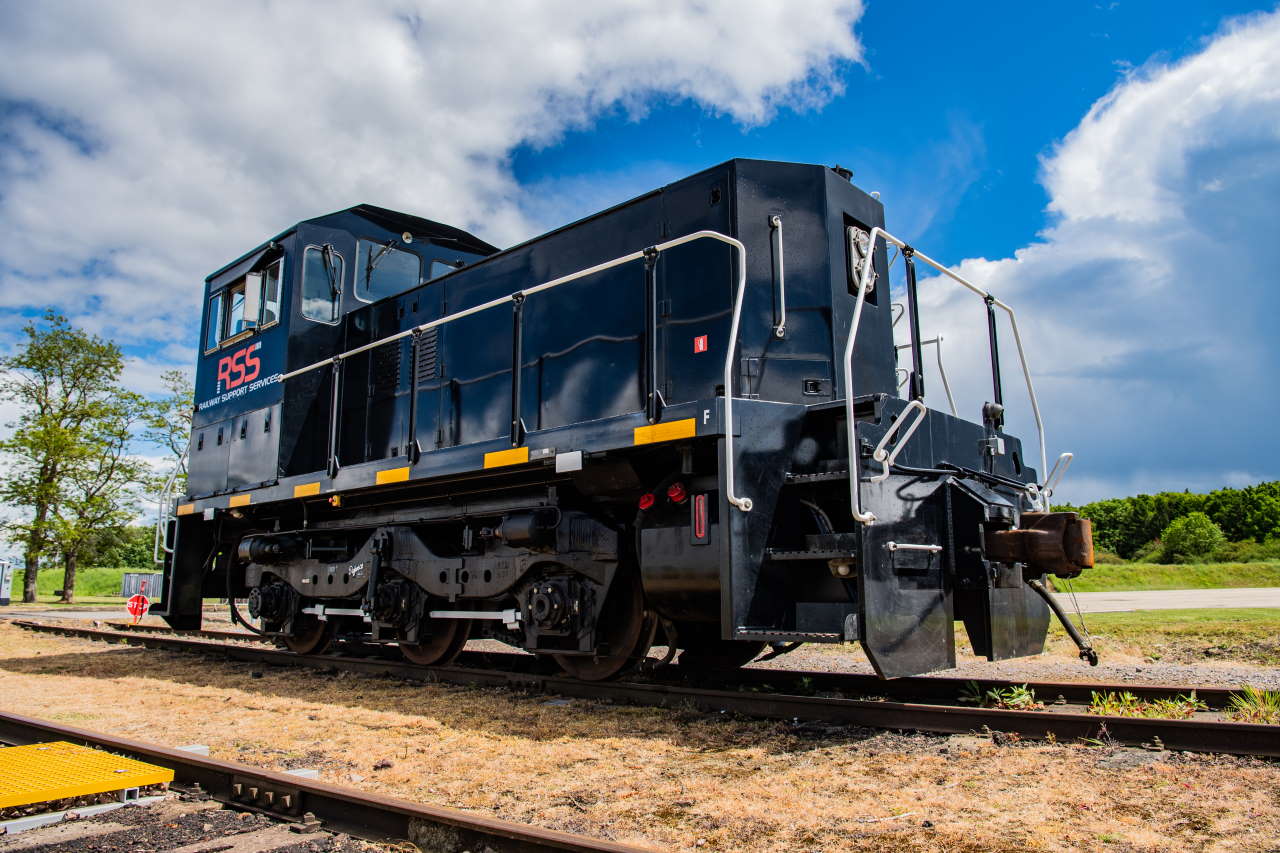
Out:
{"x": 700, "y": 343}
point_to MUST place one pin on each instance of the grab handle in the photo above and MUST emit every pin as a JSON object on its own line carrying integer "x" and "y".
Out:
{"x": 885, "y": 456}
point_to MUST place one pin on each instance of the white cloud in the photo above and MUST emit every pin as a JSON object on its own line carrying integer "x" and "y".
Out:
{"x": 1149, "y": 303}
{"x": 148, "y": 144}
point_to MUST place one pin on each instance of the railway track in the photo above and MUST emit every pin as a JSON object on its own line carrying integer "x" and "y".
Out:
{"x": 928, "y": 704}
{"x": 931, "y": 688}
{"x": 311, "y": 804}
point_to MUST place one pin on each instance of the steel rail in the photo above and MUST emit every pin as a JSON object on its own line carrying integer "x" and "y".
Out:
{"x": 1197, "y": 735}
{"x": 359, "y": 813}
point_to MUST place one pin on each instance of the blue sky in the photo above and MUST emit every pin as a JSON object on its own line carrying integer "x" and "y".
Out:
{"x": 1110, "y": 167}
{"x": 952, "y": 114}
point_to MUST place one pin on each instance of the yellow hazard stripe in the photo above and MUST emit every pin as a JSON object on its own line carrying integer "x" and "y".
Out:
{"x": 499, "y": 458}
{"x": 687, "y": 428}
{"x": 392, "y": 475}
{"x": 240, "y": 500}
{"x": 186, "y": 509}
{"x": 306, "y": 490}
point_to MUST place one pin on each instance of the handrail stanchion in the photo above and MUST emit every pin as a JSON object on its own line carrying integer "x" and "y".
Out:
{"x": 331, "y": 464}
{"x": 653, "y": 398}
{"x": 915, "y": 389}
{"x": 517, "y": 348}
{"x": 412, "y": 450}
{"x": 997, "y": 387}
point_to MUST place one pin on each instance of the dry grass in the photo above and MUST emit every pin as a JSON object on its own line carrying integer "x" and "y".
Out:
{"x": 670, "y": 779}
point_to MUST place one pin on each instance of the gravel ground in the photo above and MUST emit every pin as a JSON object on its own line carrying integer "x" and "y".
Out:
{"x": 1055, "y": 665}
{"x": 180, "y": 822}
{"x": 669, "y": 778}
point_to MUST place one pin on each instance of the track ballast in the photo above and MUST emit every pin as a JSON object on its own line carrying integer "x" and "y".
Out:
{"x": 928, "y": 704}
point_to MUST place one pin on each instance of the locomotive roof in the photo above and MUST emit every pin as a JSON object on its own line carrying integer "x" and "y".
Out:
{"x": 392, "y": 220}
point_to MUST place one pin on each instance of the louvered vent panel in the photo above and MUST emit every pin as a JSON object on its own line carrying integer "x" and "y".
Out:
{"x": 386, "y": 369}
{"x": 428, "y": 354}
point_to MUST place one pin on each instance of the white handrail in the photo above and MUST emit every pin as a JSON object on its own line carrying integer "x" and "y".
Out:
{"x": 743, "y": 504}
{"x": 163, "y": 515}
{"x": 942, "y": 371}
{"x": 1059, "y": 471}
{"x": 864, "y": 275}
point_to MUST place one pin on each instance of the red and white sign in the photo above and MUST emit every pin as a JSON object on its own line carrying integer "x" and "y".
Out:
{"x": 138, "y": 606}
{"x": 700, "y": 343}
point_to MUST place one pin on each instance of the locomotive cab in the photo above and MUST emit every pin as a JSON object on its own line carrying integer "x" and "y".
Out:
{"x": 282, "y": 306}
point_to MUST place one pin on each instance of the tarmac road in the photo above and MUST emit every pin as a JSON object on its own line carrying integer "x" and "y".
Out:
{"x": 1174, "y": 599}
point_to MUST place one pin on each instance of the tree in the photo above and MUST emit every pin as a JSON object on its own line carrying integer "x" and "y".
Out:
{"x": 168, "y": 420}
{"x": 65, "y": 382}
{"x": 97, "y": 493}
{"x": 1193, "y": 535}
{"x": 124, "y": 547}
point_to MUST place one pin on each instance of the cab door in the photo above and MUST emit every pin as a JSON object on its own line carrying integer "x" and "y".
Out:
{"x": 235, "y": 436}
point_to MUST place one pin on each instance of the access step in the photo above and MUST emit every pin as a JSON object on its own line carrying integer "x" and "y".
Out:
{"x": 819, "y": 546}
{"x": 816, "y": 554}
{"x": 791, "y": 478}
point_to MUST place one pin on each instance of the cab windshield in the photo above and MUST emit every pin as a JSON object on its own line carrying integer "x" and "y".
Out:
{"x": 383, "y": 270}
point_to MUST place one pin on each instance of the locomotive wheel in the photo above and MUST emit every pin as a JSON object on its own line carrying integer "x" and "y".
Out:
{"x": 310, "y": 636}
{"x": 446, "y": 641}
{"x": 624, "y": 628}
{"x": 710, "y": 655}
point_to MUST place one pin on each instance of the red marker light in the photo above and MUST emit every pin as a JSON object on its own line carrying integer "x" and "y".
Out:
{"x": 700, "y": 517}
{"x": 646, "y": 500}
{"x": 677, "y": 494}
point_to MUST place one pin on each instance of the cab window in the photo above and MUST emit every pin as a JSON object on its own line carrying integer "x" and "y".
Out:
{"x": 236, "y": 320}
{"x": 322, "y": 269}
{"x": 248, "y": 303}
{"x": 213, "y": 329}
{"x": 271, "y": 292}
{"x": 439, "y": 267}
{"x": 382, "y": 270}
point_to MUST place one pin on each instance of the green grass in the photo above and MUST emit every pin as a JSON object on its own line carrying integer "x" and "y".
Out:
{"x": 1250, "y": 635}
{"x": 1106, "y": 577}
{"x": 96, "y": 583}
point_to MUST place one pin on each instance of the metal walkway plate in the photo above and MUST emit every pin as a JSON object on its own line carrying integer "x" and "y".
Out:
{"x": 40, "y": 772}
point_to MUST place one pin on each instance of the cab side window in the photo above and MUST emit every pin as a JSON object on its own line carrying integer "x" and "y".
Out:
{"x": 248, "y": 303}
{"x": 213, "y": 329}
{"x": 271, "y": 292}
{"x": 322, "y": 269}
{"x": 236, "y": 320}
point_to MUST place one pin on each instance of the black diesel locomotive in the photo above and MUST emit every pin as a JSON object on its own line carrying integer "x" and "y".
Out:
{"x": 650, "y": 427}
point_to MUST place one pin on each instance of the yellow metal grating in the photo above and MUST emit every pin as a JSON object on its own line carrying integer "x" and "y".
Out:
{"x": 55, "y": 771}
